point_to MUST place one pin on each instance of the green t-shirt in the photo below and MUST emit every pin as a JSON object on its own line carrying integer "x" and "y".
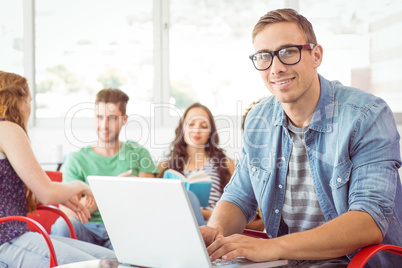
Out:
{"x": 86, "y": 162}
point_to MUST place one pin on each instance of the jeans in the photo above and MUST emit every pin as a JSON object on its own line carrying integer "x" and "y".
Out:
{"x": 91, "y": 232}
{"x": 30, "y": 250}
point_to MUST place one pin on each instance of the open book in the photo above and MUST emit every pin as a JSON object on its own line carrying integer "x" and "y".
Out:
{"x": 197, "y": 182}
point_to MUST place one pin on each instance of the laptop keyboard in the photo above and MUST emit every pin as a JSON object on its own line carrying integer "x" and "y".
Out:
{"x": 220, "y": 262}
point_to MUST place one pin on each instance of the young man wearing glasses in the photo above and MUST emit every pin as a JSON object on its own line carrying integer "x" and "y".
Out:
{"x": 320, "y": 160}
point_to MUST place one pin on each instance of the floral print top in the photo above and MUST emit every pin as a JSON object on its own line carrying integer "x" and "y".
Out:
{"x": 12, "y": 201}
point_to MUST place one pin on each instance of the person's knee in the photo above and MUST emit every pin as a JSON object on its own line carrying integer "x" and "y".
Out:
{"x": 60, "y": 227}
{"x": 108, "y": 245}
{"x": 195, "y": 202}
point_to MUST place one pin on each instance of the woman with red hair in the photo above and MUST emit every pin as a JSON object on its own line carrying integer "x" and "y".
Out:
{"x": 24, "y": 184}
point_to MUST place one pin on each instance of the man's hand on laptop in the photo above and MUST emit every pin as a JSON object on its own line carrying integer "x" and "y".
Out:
{"x": 230, "y": 247}
{"x": 209, "y": 234}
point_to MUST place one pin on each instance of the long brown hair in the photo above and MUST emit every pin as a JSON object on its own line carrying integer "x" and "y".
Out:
{"x": 13, "y": 89}
{"x": 178, "y": 154}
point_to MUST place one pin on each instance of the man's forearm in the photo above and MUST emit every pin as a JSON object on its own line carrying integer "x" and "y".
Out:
{"x": 227, "y": 218}
{"x": 338, "y": 237}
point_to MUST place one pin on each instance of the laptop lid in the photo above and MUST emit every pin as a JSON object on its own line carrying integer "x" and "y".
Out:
{"x": 151, "y": 223}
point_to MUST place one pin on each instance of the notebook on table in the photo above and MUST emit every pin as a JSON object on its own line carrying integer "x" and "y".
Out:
{"x": 150, "y": 223}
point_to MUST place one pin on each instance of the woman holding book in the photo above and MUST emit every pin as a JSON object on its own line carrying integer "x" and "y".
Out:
{"x": 23, "y": 184}
{"x": 196, "y": 148}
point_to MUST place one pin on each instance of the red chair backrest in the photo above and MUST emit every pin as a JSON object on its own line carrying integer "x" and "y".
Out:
{"x": 55, "y": 175}
{"x": 46, "y": 218}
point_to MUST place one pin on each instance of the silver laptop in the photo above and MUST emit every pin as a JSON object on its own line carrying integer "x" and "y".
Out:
{"x": 150, "y": 223}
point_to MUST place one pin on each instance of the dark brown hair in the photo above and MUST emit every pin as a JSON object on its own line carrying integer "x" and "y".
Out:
{"x": 286, "y": 15}
{"x": 113, "y": 95}
{"x": 178, "y": 154}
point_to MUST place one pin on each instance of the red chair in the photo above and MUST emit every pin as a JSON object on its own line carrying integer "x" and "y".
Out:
{"x": 358, "y": 261}
{"x": 39, "y": 229}
{"x": 47, "y": 215}
{"x": 255, "y": 234}
{"x": 364, "y": 255}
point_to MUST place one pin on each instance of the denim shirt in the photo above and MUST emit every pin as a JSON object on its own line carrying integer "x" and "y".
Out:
{"x": 354, "y": 154}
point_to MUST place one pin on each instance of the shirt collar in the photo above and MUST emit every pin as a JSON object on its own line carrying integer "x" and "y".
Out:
{"x": 324, "y": 113}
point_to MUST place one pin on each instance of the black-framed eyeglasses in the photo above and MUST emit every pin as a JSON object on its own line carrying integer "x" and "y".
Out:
{"x": 289, "y": 55}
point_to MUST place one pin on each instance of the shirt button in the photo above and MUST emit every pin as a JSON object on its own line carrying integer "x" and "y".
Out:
{"x": 280, "y": 186}
{"x": 253, "y": 169}
{"x": 339, "y": 180}
{"x": 276, "y": 211}
{"x": 283, "y": 158}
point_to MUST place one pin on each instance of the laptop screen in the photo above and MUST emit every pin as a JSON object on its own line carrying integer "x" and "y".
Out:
{"x": 150, "y": 221}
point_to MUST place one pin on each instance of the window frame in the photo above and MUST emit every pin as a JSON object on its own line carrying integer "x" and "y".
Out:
{"x": 161, "y": 63}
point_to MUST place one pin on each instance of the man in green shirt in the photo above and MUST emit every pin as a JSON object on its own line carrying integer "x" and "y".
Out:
{"x": 108, "y": 156}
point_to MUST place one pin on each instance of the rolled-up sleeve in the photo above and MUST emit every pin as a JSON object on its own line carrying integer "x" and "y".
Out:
{"x": 239, "y": 190}
{"x": 375, "y": 153}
